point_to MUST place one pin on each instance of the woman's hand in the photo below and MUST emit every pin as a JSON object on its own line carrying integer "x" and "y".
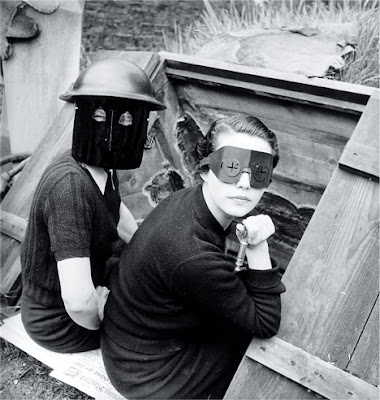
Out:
{"x": 102, "y": 293}
{"x": 259, "y": 228}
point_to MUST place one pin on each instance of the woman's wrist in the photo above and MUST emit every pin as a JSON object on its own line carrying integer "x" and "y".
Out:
{"x": 258, "y": 257}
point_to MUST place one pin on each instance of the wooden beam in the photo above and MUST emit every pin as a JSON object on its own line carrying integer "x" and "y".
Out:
{"x": 361, "y": 159}
{"x": 362, "y": 156}
{"x": 12, "y": 225}
{"x": 296, "y": 88}
{"x": 366, "y": 356}
{"x": 310, "y": 371}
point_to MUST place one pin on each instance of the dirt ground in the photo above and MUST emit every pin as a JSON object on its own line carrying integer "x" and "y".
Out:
{"x": 23, "y": 377}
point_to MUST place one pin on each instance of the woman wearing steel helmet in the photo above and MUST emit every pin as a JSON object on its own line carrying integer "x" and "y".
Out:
{"x": 77, "y": 215}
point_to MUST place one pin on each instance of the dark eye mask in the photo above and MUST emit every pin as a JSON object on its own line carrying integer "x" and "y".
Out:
{"x": 228, "y": 163}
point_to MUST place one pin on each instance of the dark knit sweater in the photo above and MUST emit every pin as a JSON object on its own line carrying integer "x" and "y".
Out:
{"x": 68, "y": 218}
{"x": 175, "y": 283}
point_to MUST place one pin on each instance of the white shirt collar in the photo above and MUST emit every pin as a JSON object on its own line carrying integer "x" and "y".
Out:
{"x": 99, "y": 175}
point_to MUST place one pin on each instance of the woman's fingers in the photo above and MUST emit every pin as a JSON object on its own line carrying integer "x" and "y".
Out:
{"x": 102, "y": 293}
{"x": 259, "y": 227}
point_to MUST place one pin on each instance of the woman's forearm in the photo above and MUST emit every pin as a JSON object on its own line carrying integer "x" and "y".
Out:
{"x": 86, "y": 315}
{"x": 258, "y": 256}
{"x": 127, "y": 225}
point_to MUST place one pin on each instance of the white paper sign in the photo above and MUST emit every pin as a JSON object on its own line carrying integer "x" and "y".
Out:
{"x": 84, "y": 371}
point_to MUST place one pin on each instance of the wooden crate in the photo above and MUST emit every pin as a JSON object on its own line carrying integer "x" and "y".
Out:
{"x": 328, "y": 343}
{"x": 313, "y": 119}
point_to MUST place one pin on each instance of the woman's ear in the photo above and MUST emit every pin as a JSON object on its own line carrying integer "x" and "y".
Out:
{"x": 204, "y": 175}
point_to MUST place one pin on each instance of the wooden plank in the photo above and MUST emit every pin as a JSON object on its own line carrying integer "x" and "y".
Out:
{"x": 332, "y": 284}
{"x": 361, "y": 159}
{"x": 366, "y": 356}
{"x": 31, "y": 84}
{"x": 336, "y": 262}
{"x": 244, "y": 386}
{"x": 362, "y": 156}
{"x": 10, "y": 268}
{"x": 309, "y": 371}
{"x": 336, "y": 95}
{"x": 302, "y": 119}
{"x": 12, "y": 225}
{"x": 58, "y": 139}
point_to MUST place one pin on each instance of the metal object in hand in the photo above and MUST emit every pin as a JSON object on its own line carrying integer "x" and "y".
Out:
{"x": 243, "y": 239}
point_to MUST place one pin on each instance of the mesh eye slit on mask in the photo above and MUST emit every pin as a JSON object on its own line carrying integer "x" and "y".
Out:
{"x": 100, "y": 115}
{"x": 229, "y": 162}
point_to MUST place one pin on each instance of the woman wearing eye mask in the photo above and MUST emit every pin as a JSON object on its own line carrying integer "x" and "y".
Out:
{"x": 179, "y": 316}
{"x": 77, "y": 215}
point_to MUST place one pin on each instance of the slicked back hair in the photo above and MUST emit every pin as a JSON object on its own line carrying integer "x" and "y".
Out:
{"x": 242, "y": 124}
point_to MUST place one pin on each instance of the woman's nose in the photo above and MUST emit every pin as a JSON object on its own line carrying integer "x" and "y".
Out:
{"x": 244, "y": 181}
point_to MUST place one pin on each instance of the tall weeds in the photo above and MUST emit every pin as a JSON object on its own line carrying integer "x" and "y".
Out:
{"x": 362, "y": 67}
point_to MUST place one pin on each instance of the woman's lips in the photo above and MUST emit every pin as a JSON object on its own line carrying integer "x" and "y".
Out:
{"x": 240, "y": 198}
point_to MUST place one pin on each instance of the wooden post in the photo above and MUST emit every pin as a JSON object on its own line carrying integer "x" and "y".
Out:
{"x": 39, "y": 71}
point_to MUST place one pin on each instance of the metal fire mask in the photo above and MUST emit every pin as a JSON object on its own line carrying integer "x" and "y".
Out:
{"x": 229, "y": 162}
{"x": 110, "y": 132}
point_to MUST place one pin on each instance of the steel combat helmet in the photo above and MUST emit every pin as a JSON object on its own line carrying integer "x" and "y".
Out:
{"x": 114, "y": 77}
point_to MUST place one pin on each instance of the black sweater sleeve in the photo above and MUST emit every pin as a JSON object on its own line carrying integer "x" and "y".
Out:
{"x": 208, "y": 285}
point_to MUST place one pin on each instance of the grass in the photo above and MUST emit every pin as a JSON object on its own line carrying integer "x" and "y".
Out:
{"x": 23, "y": 377}
{"x": 362, "y": 67}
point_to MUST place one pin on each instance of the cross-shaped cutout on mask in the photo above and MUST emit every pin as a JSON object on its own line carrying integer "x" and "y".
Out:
{"x": 231, "y": 166}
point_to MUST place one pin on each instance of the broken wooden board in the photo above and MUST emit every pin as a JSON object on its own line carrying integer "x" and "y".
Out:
{"x": 330, "y": 308}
